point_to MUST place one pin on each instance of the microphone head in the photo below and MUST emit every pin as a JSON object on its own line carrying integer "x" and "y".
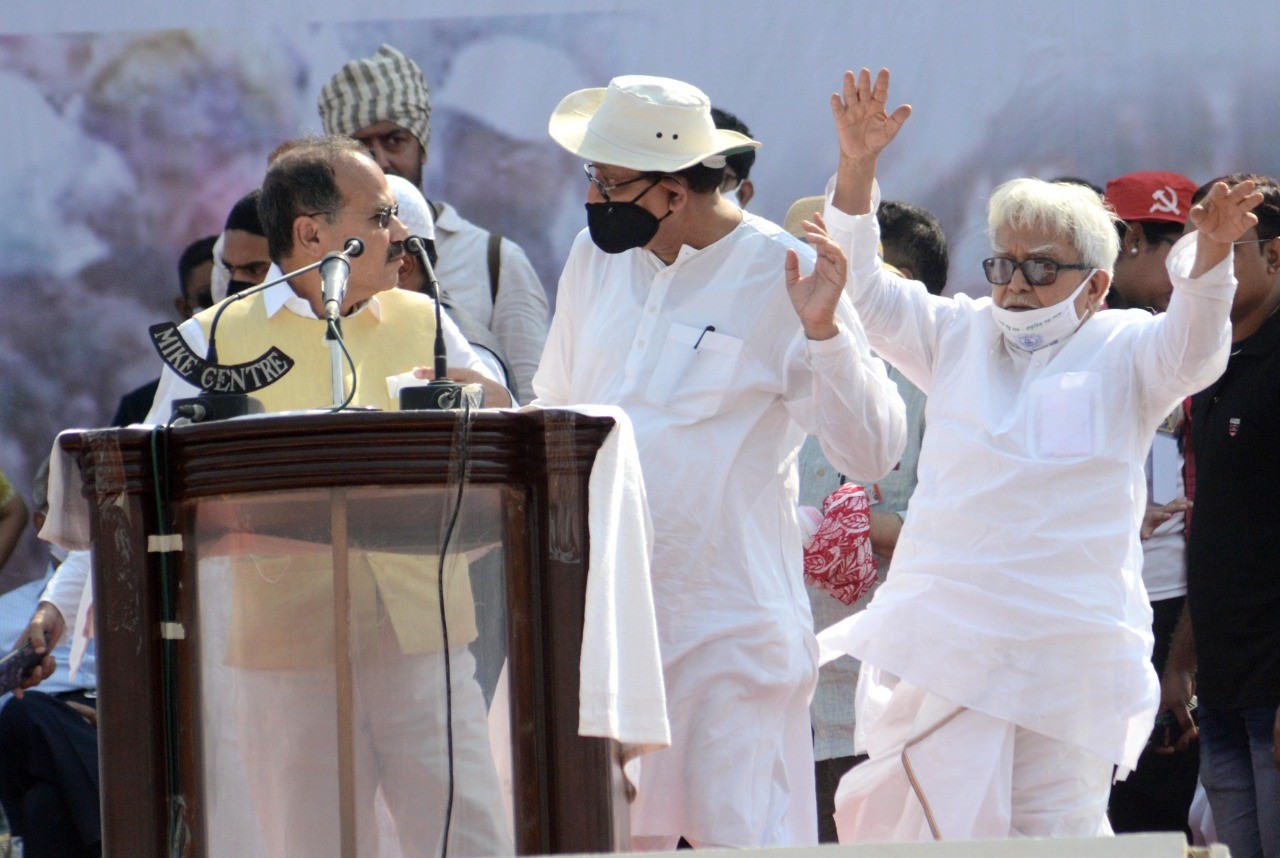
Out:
{"x": 414, "y": 244}
{"x": 354, "y": 247}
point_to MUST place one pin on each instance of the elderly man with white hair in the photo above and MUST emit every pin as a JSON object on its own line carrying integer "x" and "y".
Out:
{"x": 1006, "y": 667}
{"x": 693, "y": 316}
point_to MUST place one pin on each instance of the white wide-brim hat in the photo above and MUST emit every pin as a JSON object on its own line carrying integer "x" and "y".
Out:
{"x": 651, "y": 124}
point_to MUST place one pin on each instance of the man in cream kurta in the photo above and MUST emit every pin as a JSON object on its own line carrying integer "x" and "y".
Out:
{"x": 687, "y": 325}
{"x": 280, "y": 636}
{"x": 1005, "y": 662}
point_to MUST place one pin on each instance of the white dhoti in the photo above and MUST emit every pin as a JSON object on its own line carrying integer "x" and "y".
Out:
{"x": 739, "y": 772}
{"x": 941, "y": 771}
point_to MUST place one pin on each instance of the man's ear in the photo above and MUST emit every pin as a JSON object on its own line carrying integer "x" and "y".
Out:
{"x": 1098, "y": 287}
{"x": 405, "y": 276}
{"x": 306, "y": 237}
{"x": 1271, "y": 249}
{"x": 746, "y": 191}
{"x": 677, "y": 192}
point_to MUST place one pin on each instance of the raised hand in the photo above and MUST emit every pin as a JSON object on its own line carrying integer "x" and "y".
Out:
{"x": 1225, "y": 213}
{"x": 862, "y": 125}
{"x": 816, "y": 295}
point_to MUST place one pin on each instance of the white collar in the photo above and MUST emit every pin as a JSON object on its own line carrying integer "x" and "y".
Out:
{"x": 446, "y": 218}
{"x": 282, "y": 295}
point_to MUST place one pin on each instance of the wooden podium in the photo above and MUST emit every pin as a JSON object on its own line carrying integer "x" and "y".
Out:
{"x": 167, "y": 504}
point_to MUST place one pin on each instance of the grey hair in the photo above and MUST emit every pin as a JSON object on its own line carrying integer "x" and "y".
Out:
{"x": 1072, "y": 211}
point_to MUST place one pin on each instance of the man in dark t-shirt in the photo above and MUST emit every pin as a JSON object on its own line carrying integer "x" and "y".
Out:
{"x": 1228, "y": 642}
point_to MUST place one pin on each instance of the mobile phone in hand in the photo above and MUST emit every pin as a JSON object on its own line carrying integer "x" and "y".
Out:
{"x": 17, "y": 666}
{"x": 1166, "y": 730}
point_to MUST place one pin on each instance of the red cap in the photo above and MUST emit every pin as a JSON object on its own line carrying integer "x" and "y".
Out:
{"x": 1151, "y": 196}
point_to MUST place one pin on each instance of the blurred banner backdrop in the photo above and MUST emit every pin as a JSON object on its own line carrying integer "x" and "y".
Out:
{"x": 130, "y": 128}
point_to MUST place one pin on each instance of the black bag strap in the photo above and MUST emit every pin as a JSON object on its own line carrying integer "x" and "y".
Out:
{"x": 495, "y": 264}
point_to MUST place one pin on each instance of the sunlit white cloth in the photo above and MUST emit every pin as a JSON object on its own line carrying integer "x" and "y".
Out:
{"x": 1016, "y": 587}
{"x": 709, "y": 361}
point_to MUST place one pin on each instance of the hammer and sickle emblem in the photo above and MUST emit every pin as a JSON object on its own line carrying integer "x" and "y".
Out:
{"x": 1164, "y": 200}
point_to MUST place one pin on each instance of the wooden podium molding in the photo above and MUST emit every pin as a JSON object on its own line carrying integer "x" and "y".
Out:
{"x": 569, "y": 794}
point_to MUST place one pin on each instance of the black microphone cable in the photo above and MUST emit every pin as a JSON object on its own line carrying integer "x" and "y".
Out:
{"x": 459, "y": 467}
{"x": 178, "y": 833}
{"x": 352, "y": 248}
{"x": 334, "y": 332}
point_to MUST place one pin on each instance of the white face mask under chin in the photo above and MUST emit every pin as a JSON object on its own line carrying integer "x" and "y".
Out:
{"x": 1031, "y": 330}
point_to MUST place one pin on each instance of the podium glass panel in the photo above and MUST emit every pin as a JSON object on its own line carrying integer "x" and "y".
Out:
{"x": 347, "y": 708}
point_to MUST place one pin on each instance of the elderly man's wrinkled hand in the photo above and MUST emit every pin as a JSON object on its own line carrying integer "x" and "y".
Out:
{"x": 863, "y": 126}
{"x": 1225, "y": 214}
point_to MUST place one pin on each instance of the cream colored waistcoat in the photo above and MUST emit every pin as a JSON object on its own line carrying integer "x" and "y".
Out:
{"x": 282, "y": 610}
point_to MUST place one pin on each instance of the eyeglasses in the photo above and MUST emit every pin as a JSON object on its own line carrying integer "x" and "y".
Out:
{"x": 593, "y": 176}
{"x": 730, "y": 182}
{"x": 1037, "y": 271}
{"x": 383, "y": 215}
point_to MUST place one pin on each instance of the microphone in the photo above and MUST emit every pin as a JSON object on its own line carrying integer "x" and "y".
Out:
{"x": 440, "y": 393}
{"x": 354, "y": 247}
{"x": 335, "y": 268}
{"x": 214, "y": 404}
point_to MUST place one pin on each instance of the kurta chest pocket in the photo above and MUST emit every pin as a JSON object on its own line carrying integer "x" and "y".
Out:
{"x": 1066, "y": 415}
{"x": 690, "y": 380}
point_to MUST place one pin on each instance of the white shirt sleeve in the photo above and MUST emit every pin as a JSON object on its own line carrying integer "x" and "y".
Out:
{"x": 1186, "y": 349}
{"x": 520, "y": 315}
{"x": 551, "y": 384}
{"x": 173, "y": 386}
{"x": 66, "y": 587}
{"x": 462, "y": 354}
{"x": 903, "y": 321}
{"x": 851, "y": 405}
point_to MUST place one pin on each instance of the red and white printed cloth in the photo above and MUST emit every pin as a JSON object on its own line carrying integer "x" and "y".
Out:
{"x": 838, "y": 560}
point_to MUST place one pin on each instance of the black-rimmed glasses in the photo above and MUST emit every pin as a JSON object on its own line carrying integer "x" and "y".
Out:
{"x": 1037, "y": 271}
{"x": 384, "y": 214}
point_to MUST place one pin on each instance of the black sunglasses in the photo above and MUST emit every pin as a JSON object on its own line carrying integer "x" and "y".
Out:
{"x": 1037, "y": 271}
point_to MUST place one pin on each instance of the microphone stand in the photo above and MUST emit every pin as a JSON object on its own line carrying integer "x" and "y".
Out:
{"x": 441, "y": 392}
{"x": 334, "y": 271}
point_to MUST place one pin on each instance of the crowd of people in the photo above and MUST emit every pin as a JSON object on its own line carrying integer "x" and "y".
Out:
{"x": 1045, "y": 514}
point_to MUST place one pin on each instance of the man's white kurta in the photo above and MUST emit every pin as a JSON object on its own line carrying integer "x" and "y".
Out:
{"x": 718, "y": 428}
{"x": 1016, "y": 587}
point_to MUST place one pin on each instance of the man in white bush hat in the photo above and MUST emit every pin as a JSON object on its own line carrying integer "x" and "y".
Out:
{"x": 693, "y": 315}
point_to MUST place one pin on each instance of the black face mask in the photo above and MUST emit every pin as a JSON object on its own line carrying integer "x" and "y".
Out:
{"x": 619, "y": 226}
